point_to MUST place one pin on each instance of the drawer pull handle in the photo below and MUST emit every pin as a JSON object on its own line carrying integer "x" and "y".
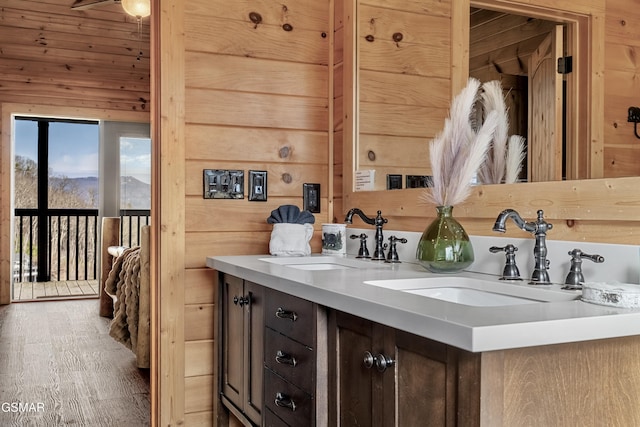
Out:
{"x": 281, "y": 313}
{"x": 285, "y": 401}
{"x": 285, "y": 358}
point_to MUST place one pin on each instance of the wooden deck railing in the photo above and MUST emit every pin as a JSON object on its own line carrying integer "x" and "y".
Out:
{"x": 66, "y": 248}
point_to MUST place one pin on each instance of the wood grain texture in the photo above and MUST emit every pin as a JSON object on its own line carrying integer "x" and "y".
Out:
{"x": 58, "y": 56}
{"x": 586, "y": 383}
{"x": 168, "y": 207}
{"x": 60, "y": 354}
{"x": 24, "y": 291}
{"x": 200, "y": 358}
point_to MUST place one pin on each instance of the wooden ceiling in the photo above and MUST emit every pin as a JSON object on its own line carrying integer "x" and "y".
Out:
{"x": 501, "y": 43}
{"x": 64, "y": 56}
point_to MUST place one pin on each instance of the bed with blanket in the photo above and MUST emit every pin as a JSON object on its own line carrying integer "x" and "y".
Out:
{"x": 125, "y": 290}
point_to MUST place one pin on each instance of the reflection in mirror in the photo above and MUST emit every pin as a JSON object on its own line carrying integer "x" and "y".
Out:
{"x": 525, "y": 54}
{"x": 407, "y": 70}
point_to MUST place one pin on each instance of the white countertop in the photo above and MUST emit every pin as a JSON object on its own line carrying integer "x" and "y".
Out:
{"x": 470, "y": 328}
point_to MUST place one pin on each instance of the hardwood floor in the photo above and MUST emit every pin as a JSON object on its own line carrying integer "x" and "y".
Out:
{"x": 59, "y": 367}
{"x": 28, "y": 291}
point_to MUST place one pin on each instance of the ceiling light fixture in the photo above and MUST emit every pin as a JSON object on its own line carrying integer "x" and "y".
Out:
{"x": 138, "y": 8}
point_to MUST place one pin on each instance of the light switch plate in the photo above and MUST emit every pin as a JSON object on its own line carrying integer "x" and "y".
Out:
{"x": 311, "y": 197}
{"x": 257, "y": 186}
{"x": 223, "y": 184}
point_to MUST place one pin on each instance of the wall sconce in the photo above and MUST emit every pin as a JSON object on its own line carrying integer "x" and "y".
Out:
{"x": 634, "y": 117}
{"x": 138, "y": 8}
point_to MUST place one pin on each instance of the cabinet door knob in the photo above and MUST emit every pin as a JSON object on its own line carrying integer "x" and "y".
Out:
{"x": 285, "y": 401}
{"x": 369, "y": 360}
{"x": 285, "y": 358}
{"x": 281, "y": 313}
{"x": 381, "y": 361}
{"x": 241, "y": 300}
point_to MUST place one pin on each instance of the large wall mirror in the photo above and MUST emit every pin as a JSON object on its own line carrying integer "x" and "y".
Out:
{"x": 413, "y": 57}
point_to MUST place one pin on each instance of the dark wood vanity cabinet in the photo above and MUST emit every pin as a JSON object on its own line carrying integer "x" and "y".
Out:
{"x": 291, "y": 357}
{"x": 386, "y": 377}
{"x": 285, "y": 361}
{"x": 241, "y": 355}
{"x": 288, "y": 362}
{"x": 269, "y": 355}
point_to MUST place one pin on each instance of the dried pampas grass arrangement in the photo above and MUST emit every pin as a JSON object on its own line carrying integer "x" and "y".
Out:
{"x": 459, "y": 150}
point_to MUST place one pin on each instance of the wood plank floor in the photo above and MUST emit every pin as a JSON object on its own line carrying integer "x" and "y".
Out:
{"x": 28, "y": 291}
{"x": 58, "y": 360}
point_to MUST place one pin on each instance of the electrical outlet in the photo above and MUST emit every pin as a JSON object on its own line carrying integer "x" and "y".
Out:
{"x": 311, "y": 197}
{"x": 223, "y": 184}
{"x": 394, "y": 182}
{"x": 257, "y": 186}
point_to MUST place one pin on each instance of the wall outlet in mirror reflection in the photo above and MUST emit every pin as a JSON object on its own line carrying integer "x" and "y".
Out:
{"x": 394, "y": 182}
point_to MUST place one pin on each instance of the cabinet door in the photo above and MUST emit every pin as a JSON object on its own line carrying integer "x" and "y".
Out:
{"x": 422, "y": 387}
{"x": 254, "y": 356}
{"x": 242, "y": 345}
{"x": 360, "y": 388}
{"x": 233, "y": 340}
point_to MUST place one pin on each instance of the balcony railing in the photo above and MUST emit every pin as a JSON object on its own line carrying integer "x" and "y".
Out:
{"x": 67, "y": 249}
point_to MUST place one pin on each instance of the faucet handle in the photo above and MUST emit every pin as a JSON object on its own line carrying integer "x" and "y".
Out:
{"x": 363, "y": 252}
{"x": 575, "y": 277}
{"x": 510, "y": 271}
{"x": 392, "y": 256}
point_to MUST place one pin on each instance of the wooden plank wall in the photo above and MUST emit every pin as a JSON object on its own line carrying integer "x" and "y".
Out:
{"x": 392, "y": 112}
{"x": 257, "y": 97}
{"x": 60, "y": 62}
{"x": 622, "y": 87}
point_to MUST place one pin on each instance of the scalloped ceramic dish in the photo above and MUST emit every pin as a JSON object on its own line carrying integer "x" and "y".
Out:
{"x": 622, "y": 295}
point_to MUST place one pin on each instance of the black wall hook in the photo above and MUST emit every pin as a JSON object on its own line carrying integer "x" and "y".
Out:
{"x": 634, "y": 117}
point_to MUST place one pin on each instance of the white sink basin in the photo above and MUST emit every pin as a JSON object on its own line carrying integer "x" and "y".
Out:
{"x": 477, "y": 292}
{"x": 468, "y": 296}
{"x": 322, "y": 263}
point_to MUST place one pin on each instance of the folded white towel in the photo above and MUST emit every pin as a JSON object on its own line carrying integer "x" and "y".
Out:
{"x": 291, "y": 239}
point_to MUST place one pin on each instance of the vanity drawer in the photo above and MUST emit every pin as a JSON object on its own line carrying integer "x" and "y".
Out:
{"x": 287, "y": 401}
{"x": 291, "y": 316}
{"x": 291, "y": 360}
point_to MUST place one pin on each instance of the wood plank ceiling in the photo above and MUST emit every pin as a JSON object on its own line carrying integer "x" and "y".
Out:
{"x": 55, "y": 55}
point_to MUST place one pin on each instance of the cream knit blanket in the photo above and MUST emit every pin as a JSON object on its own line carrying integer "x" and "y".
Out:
{"x": 124, "y": 283}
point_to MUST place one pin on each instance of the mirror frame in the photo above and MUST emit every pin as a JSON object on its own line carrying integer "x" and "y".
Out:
{"x": 570, "y": 200}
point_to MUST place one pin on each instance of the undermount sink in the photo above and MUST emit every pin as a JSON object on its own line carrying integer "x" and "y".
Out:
{"x": 321, "y": 263}
{"x": 476, "y": 292}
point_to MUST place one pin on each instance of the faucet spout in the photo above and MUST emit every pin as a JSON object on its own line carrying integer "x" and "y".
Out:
{"x": 501, "y": 222}
{"x": 539, "y": 229}
{"x": 378, "y": 221}
{"x": 355, "y": 211}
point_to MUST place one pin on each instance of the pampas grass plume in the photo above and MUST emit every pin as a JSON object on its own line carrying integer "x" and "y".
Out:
{"x": 515, "y": 155}
{"x": 493, "y": 170}
{"x": 458, "y": 151}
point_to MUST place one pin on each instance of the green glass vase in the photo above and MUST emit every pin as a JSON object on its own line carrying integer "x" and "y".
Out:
{"x": 444, "y": 246}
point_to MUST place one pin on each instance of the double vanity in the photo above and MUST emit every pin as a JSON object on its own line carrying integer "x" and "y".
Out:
{"x": 330, "y": 340}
